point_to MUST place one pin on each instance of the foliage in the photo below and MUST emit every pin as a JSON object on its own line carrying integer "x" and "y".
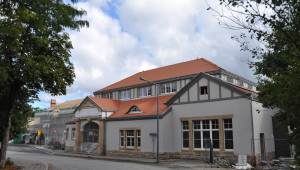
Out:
{"x": 275, "y": 24}
{"x": 8, "y": 162}
{"x": 34, "y": 54}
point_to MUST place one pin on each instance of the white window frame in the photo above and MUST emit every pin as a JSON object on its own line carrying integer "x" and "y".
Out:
{"x": 228, "y": 129}
{"x": 168, "y": 88}
{"x": 73, "y": 133}
{"x": 245, "y": 85}
{"x": 125, "y": 94}
{"x": 134, "y": 109}
{"x": 138, "y": 139}
{"x": 253, "y": 88}
{"x": 122, "y": 138}
{"x": 131, "y": 137}
{"x": 223, "y": 77}
{"x": 145, "y": 91}
{"x": 235, "y": 81}
{"x": 202, "y": 130}
{"x": 182, "y": 131}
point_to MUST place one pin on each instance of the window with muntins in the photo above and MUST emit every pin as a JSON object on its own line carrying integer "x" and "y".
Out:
{"x": 206, "y": 132}
{"x": 145, "y": 91}
{"x": 130, "y": 139}
{"x": 228, "y": 134}
{"x": 125, "y": 94}
{"x": 107, "y": 96}
{"x": 185, "y": 134}
{"x": 134, "y": 109}
{"x": 168, "y": 88}
{"x": 73, "y": 133}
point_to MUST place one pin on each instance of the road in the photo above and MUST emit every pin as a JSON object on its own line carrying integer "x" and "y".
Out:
{"x": 70, "y": 163}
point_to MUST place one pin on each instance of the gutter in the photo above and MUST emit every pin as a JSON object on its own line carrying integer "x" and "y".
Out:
{"x": 252, "y": 125}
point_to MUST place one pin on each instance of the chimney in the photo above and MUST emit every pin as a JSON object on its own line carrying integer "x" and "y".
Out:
{"x": 53, "y": 102}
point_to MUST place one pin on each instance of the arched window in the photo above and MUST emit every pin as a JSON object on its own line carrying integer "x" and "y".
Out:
{"x": 91, "y": 133}
{"x": 134, "y": 109}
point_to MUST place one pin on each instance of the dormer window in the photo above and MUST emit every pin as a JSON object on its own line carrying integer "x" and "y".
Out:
{"x": 245, "y": 85}
{"x": 145, "y": 91}
{"x": 253, "y": 88}
{"x": 235, "y": 81}
{"x": 134, "y": 109}
{"x": 168, "y": 88}
{"x": 224, "y": 77}
{"x": 125, "y": 94}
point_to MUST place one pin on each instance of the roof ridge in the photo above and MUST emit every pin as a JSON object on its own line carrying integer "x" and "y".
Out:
{"x": 211, "y": 63}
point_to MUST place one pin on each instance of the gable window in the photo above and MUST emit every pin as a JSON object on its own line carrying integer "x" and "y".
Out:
{"x": 134, "y": 109}
{"x": 203, "y": 90}
{"x": 168, "y": 88}
{"x": 185, "y": 134}
{"x": 145, "y": 91}
{"x": 130, "y": 138}
{"x": 228, "y": 134}
{"x": 125, "y": 94}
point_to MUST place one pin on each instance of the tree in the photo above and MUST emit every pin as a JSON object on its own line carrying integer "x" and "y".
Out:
{"x": 275, "y": 24}
{"x": 34, "y": 53}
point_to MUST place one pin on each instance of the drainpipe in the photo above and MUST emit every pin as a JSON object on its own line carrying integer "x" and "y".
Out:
{"x": 104, "y": 141}
{"x": 252, "y": 125}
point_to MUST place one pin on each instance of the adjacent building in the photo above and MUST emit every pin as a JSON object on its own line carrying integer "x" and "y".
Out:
{"x": 199, "y": 104}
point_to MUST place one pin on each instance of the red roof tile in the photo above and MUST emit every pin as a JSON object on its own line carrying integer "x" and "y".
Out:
{"x": 72, "y": 120}
{"x": 146, "y": 105}
{"x": 171, "y": 71}
{"x": 106, "y": 103}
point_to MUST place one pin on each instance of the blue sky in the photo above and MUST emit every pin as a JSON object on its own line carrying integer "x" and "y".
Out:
{"x": 129, "y": 36}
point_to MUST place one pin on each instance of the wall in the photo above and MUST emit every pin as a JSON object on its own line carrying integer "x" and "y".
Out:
{"x": 263, "y": 124}
{"x": 70, "y": 143}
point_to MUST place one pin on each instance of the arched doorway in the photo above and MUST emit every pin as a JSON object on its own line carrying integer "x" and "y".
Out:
{"x": 90, "y": 138}
{"x": 91, "y": 133}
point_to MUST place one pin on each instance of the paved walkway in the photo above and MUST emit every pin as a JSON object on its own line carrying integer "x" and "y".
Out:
{"x": 172, "y": 163}
{"x": 30, "y": 164}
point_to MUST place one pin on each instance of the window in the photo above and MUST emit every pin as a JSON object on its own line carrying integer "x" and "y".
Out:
{"x": 205, "y": 133}
{"x": 134, "y": 109}
{"x": 73, "y": 135}
{"x": 125, "y": 94}
{"x": 130, "y": 138}
{"x": 145, "y": 91}
{"x": 185, "y": 134}
{"x": 223, "y": 77}
{"x": 235, "y": 81}
{"x": 168, "y": 88}
{"x": 138, "y": 134}
{"x": 122, "y": 138}
{"x": 253, "y": 88}
{"x": 107, "y": 96}
{"x": 228, "y": 134}
{"x": 91, "y": 133}
{"x": 203, "y": 90}
{"x": 245, "y": 85}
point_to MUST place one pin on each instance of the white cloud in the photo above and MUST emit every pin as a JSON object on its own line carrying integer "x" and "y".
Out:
{"x": 146, "y": 35}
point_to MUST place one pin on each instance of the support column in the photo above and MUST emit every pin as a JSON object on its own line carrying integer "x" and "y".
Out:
{"x": 221, "y": 135}
{"x": 100, "y": 148}
{"x": 78, "y": 136}
{"x": 191, "y": 142}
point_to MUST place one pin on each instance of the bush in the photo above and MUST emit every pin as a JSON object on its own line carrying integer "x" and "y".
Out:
{"x": 9, "y": 162}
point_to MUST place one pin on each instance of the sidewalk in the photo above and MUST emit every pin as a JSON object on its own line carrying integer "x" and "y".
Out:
{"x": 30, "y": 164}
{"x": 172, "y": 163}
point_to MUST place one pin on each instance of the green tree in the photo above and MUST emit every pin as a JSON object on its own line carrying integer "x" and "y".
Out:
{"x": 34, "y": 53}
{"x": 275, "y": 25}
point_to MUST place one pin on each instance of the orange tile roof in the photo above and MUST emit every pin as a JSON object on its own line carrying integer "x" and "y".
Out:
{"x": 146, "y": 105}
{"x": 244, "y": 90}
{"x": 106, "y": 103}
{"x": 72, "y": 120}
{"x": 171, "y": 71}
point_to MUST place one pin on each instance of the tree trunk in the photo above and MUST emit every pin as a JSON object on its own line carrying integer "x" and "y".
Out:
{"x": 12, "y": 96}
{"x": 5, "y": 139}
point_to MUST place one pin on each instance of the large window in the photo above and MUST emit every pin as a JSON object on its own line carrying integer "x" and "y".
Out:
{"x": 168, "y": 88}
{"x": 125, "y": 94}
{"x": 130, "y": 138}
{"x": 91, "y": 133}
{"x": 185, "y": 134}
{"x": 228, "y": 134}
{"x": 205, "y": 132}
{"x": 145, "y": 91}
{"x": 107, "y": 96}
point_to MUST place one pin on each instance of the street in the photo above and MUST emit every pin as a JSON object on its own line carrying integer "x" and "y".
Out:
{"x": 64, "y": 163}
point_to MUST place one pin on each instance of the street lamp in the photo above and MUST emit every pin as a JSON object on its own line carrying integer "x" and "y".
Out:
{"x": 157, "y": 132}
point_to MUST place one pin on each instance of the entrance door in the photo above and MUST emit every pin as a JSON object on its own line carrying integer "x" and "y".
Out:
{"x": 91, "y": 133}
{"x": 262, "y": 146}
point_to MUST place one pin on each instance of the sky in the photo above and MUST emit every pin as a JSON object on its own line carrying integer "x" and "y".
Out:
{"x": 129, "y": 36}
